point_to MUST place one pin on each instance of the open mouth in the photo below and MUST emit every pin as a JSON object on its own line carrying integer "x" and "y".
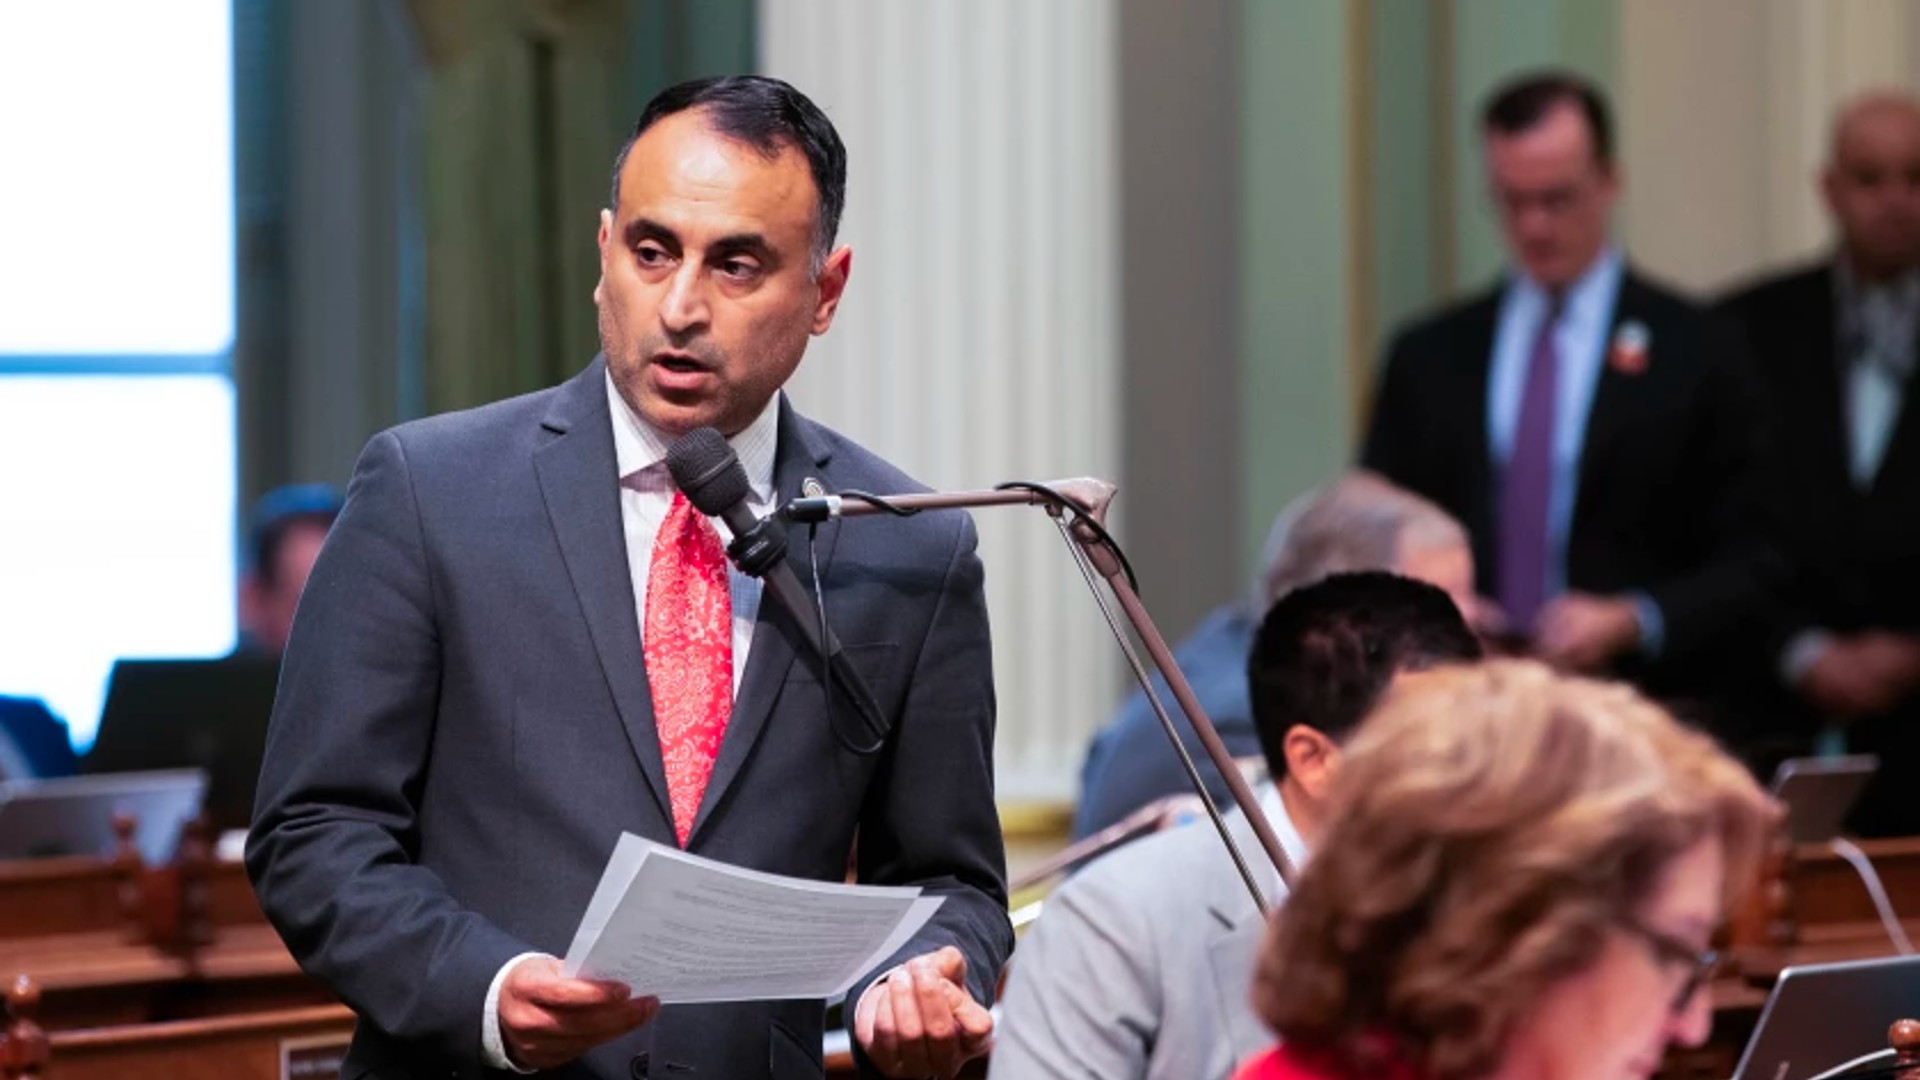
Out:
{"x": 682, "y": 365}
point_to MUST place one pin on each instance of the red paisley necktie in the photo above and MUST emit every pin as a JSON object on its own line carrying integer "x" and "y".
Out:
{"x": 689, "y": 654}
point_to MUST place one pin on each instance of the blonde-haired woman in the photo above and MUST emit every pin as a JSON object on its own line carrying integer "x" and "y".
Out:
{"x": 1521, "y": 882}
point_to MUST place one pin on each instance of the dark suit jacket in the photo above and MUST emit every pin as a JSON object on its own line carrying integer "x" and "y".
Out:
{"x": 464, "y": 728}
{"x": 1855, "y": 555}
{"x": 1666, "y": 501}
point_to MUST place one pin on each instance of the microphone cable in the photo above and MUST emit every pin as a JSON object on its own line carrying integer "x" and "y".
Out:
{"x": 826, "y": 669}
{"x": 1876, "y": 891}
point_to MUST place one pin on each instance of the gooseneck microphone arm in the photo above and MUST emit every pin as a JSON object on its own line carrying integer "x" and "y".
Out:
{"x": 1086, "y": 500}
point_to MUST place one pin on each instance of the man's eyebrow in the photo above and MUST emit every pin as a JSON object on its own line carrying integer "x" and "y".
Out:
{"x": 751, "y": 243}
{"x": 647, "y": 229}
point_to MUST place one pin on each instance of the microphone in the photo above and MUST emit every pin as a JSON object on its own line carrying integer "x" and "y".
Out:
{"x": 706, "y": 470}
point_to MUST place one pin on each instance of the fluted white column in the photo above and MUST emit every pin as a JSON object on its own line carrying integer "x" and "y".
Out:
{"x": 977, "y": 342}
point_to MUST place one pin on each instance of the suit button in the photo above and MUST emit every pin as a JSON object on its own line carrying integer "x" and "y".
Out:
{"x": 638, "y": 1067}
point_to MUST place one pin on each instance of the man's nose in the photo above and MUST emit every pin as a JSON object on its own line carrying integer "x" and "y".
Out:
{"x": 684, "y": 306}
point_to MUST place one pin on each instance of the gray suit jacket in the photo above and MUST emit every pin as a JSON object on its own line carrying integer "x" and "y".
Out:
{"x": 464, "y": 728}
{"x": 1140, "y": 965}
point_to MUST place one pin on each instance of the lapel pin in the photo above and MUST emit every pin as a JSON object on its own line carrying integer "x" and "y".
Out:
{"x": 1631, "y": 344}
{"x": 811, "y": 488}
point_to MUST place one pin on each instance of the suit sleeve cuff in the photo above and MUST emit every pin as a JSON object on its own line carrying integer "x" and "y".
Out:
{"x": 493, "y": 1046}
{"x": 1803, "y": 650}
{"x": 1651, "y": 623}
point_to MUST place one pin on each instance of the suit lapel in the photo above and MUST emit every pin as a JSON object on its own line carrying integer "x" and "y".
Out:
{"x": 1612, "y": 410}
{"x": 579, "y": 481}
{"x": 1234, "y": 929}
{"x": 1467, "y": 399}
{"x": 1903, "y": 443}
{"x": 798, "y": 455}
{"x": 1819, "y": 362}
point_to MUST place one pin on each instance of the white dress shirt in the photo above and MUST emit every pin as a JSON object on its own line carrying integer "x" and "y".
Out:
{"x": 646, "y": 494}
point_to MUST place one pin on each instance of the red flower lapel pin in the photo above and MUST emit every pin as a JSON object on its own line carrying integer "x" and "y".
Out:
{"x": 1632, "y": 343}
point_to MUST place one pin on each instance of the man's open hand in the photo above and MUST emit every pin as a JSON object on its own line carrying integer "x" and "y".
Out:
{"x": 920, "y": 1021}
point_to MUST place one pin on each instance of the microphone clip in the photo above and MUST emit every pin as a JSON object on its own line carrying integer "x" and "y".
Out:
{"x": 760, "y": 548}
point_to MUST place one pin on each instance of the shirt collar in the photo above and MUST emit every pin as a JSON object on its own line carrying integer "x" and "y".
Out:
{"x": 1283, "y": 829}
{"x": 639, "y": 446}
{"x": 1903, "y": 291}
{"x": 1588, "y": 293}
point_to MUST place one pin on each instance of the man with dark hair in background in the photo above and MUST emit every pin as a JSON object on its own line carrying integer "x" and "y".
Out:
{"x": 1139, "y": 965}
{"x": 283, "y": 539}
{"x": 1835, "y": 346}
{"x": 1595, "y": 432}
{"x": 521, "y": 641}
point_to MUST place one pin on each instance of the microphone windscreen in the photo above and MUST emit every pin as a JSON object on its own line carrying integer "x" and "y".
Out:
{"x": 707, "y": 470}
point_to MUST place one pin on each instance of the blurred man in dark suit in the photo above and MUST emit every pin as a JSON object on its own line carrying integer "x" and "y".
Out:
{"x": 1834, "y": 345}
{"x": 1593, "y": 431}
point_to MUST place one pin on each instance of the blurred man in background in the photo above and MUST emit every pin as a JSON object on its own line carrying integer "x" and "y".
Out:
{"x": 1834, "y": 345}
{"x": 1594, "y": 432}
{"x": 1358, "y": 522}
{"x": 1139, "y": 966}
{"x": 288, "y": 526}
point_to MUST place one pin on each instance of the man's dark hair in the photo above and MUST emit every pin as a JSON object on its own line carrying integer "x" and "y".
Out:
{"x": 1326, "y": 652}
{"x": 769, "y": 115}
{"x": 278, "y": 513}
{"x": 1516, "y": 106}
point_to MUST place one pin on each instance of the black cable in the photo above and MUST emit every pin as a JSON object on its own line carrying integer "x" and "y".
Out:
{"x": 879, "y": 502}
{"x": 1099, "y": 531}
{"x": 826, "y": 663}
{"x": 1052, "y": 497}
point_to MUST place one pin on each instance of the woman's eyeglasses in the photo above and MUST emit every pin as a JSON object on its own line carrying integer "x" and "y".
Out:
{"x": 1670, "y": 951}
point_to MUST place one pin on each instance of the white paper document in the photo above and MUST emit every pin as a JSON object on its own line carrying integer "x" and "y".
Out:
{"x": 686, "y": 929}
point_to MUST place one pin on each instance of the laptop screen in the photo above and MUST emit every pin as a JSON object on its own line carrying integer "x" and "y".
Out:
{"x": 73, "y": 815}
{"x": 1823, "y": 1015}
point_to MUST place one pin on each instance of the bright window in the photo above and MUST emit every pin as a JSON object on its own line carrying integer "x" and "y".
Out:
{"x": 117, "y": 455}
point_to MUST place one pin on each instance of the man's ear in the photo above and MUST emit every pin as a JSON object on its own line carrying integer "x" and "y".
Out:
{"x": 1312, "y": 759}
{"x": 606, "y": 234}
{"x": 833, "y": 284}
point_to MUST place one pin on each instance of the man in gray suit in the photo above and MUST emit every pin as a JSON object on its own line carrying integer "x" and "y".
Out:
{"x": 1140, "y": 964}
{"x": 519, "y": 642}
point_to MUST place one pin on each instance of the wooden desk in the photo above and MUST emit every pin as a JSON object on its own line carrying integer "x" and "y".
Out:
{"x": 267, "y": 1045}
{"x": 58, "y": 896}
{"x": 114, "y": 942}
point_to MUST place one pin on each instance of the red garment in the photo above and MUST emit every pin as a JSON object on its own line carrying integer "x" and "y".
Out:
{"x": 689, "y": 654}
{"x": 1281, "y": 1063}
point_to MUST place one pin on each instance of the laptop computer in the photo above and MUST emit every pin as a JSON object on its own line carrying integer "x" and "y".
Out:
{"x": 1820, "y": 1016}
{"x": 73, "y": 815}
{"x": 209, "y": 715}
{"x": 1819, "y": 792}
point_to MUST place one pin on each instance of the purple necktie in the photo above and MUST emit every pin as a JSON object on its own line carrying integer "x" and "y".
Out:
{"x": 1527, "y": 485}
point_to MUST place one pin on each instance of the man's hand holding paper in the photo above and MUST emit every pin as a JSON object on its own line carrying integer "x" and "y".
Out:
{"x": 548, "y": 1019}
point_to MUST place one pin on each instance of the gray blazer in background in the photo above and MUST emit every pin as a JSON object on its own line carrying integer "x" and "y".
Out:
{"x": 464, "y": 728}
{"x": 1140, "y": 965}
